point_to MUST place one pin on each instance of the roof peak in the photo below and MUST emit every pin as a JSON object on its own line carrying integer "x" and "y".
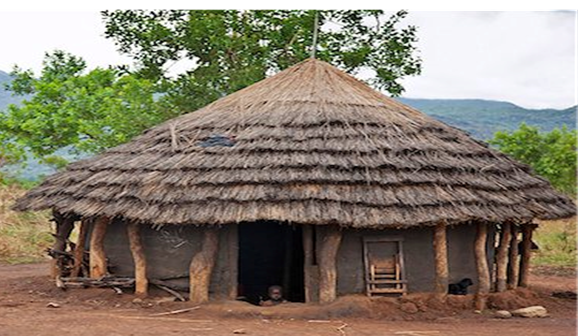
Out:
{"x": 321, "y": 86}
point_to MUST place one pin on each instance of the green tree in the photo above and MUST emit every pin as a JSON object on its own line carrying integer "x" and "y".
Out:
{"x": 232, "y": 49}
{"x": 71, "y": 107}
{"x": 551, "y": 154}
{"x": 88, "y": 111}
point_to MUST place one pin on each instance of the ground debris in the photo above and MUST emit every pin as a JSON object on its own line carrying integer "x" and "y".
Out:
{"x": 52, "y": 305}
{"x": 502, "y": 314}
{"x": 565, "y": 295}
{"x": 533, "y": 311}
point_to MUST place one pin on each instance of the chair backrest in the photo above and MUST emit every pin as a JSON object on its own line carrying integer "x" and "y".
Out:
{"x": 382, "y": 263}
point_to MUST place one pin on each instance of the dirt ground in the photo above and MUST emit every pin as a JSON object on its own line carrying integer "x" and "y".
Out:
{"x": 26, "y": 297}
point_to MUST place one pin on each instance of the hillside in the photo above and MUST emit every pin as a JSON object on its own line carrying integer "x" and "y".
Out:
{"x": 5, "y": 96}
{"x": 482, "y": 118}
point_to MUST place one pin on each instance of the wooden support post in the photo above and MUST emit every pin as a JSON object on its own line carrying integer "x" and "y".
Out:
{"x": 202, "y": 267}
{"x": 233, "y": 256}
{"x": 308, "y": 262}
{"x": 138, "y": 255}
{"x": 79, "y": 251}
{"x": 482, "y": 266}
{"x": 502, "y": 258}
{"x": 525, "y": 254}
{"x": 513, "y": 265}
{"x": 327, "y": 264}
{"x": 97, "y": 254}
{"x": 64, "y": 226}
{"x": 441, "y": 258}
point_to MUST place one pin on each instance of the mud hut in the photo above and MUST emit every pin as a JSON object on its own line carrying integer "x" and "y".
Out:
{"x": 308, "y": 179}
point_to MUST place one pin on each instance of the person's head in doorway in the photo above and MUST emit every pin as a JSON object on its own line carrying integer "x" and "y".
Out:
{"x": 275, "y": 296}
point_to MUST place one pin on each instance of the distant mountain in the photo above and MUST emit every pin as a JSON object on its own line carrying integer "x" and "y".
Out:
{"x": 5, "y": 95}
{"x": 482, "y": 118}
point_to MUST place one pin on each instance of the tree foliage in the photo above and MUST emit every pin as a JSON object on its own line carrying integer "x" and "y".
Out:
{"x": 69, "y": 106}
{"x": 232, "y": 49}
{"x": 551, "y": 154}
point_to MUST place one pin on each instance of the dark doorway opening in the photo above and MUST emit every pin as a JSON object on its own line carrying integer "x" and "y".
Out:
{"x": 270, "y": 253}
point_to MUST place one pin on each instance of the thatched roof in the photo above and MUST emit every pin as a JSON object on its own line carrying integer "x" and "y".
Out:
{"x": 311, "y": 145}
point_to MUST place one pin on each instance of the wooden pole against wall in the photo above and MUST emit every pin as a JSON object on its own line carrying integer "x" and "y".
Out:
{"x": 513, "y": 265}
{"x": 80, "y": 247}
{"x": 202, "y": 267}
{"x": 138, "y": 255}
{"x": 327, "y": 264}
{"x": 233, "y": 258}
{"x": 441, "y": 258}
{"x": 482, "y": 266}
{"x": 307, "y": 261}
{"x": 97, "y": 254}
{"x": 64, "y": 226}
{"x": 525, "y": 254}
{"x": 502, "y": 258}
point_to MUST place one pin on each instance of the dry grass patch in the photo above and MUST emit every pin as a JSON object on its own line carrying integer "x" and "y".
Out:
{"x": 557, "y": 242}
{"x": 23, "y": 236}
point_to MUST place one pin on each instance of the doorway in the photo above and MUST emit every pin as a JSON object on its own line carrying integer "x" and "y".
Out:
{"x": 270, "y": 253}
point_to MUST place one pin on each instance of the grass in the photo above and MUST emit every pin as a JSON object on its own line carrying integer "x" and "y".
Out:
{"x": 23, "y": 236}
{"x": 557, "y": 242}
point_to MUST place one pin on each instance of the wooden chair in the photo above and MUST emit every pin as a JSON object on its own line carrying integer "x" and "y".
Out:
{"x": 385, "y": 276}
{"x": 384, "y": 266}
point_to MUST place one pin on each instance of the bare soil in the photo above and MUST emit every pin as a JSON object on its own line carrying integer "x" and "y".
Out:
{"x": 27, "y": 294}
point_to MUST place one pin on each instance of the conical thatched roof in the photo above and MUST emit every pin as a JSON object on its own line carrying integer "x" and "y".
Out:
{"x": 312, "y": 145}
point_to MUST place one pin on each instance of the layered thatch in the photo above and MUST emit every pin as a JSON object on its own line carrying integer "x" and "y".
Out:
{"x": 312, "y": 145}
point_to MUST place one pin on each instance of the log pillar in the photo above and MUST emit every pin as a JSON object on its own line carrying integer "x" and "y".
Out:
{"x": 441, "y": 258}
{"x": 97, "y": 254}
{"x": 202, "y": 267}
{"x": 513, "y": 265}
{"x": 308, "y": 262}
{"x": 138, "y": 255}
{"x": 525, "y": 254}
{"x": 233, "y": 259}
{"x": 327, "y": 264}
{"x": 502, "y": 258}
{"x": 79, "y": 251}
{"x": 64, "y": 226}
{"x": 482, "y": 266}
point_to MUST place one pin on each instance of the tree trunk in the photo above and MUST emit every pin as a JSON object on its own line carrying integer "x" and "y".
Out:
{"x": 64, "y": 226}
{"x": 327, "y": 264}
{"x": 525, "y": 254}
{"x": 97, "y": 254}
{"x": 79, "y": 251}
{"x": 138, "y": 255}
{"x": 202, "y": 267}
{"x": 482, "y": 266}
{"x": 502, "y": 258}
{"x": 441, "y": 258}
{"x": 513, "y": 265}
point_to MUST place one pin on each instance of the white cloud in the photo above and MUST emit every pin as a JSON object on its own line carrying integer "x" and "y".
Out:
{"x": 527, "y": 58}
{"x": 26, "y": 36}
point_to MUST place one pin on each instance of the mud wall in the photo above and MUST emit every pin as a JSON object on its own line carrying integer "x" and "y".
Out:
{"x": 418, "y": 257}
{"x": 169, "y": 251}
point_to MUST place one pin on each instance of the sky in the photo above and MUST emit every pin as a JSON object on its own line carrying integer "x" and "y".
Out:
{"x": 527, "y": 58}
